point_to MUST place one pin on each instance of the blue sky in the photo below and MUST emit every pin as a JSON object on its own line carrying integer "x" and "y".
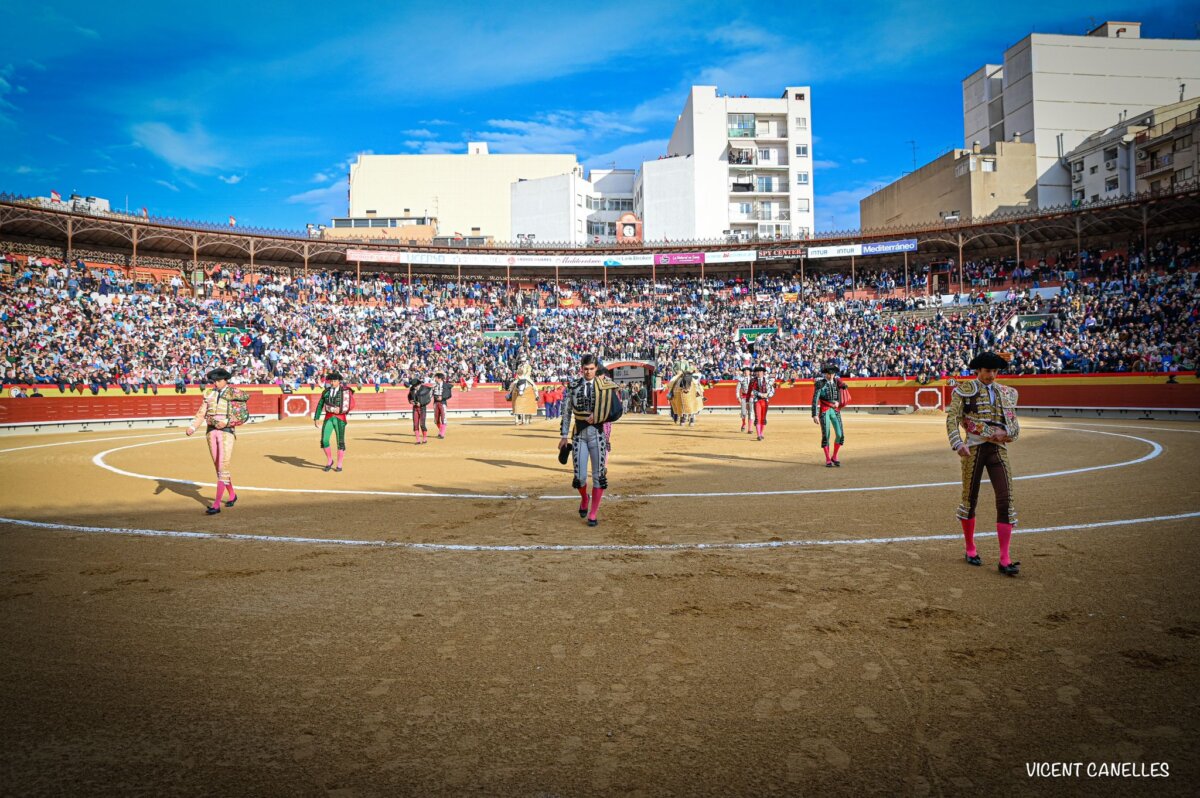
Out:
{"x": 204, "y": 110}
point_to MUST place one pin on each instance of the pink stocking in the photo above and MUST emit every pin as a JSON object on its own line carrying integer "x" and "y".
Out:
{"x": 968, "y": 528}
{"x": 1004, "y": 533}
{"x": 220, "y": 494}
{"x": 341, "y": 457}
{"x": 597, "y": 495}
{"x": 328, "y": 455}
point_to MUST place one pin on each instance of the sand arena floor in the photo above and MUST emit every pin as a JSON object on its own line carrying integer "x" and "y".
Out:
{"x": 826, "y": 638}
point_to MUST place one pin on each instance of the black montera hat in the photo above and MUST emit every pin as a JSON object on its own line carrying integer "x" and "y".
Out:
{"x": 987, "y": 360}
{"x": 745, "y": 367}
{"x": 829, "y": 367}
{"x": 218, "y": 374}
{"x": 333, "y": 375}
{"x": 760, "y": 368}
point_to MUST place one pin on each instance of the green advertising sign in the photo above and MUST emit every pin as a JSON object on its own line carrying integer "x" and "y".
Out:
{"x": 501, "y": 334}
{"x": 752, "y": 333}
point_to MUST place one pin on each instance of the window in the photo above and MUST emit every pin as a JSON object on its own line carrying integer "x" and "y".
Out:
{"x": 1183, "y": 142}
{"x": 1092, "y": 171}
{"x": 1110, "y": 154}
{"x": 611, "y": 229}
{"x": 798, "y": 95}
{"x": 764, "y": 155}
{"x": 1077, "y": 195}
{"x": 802, "y": 178}
{"x": 766, "y": 229}
{"x": 362, "y": 222}
{"x": 1078, "y": 166}
{"x": 801, "y": 150}
{"x": 741, "y": 126}
{"x": 579, "y": 226}
{"x": 579, "y": 200}
{"x": 1110, "y": 184}
{"x": 801, "y": 205}
{"x": 801, "y": 123}
{"x": 987, "y": 165}
{"x": 764, "y": 184}
{"x": 744, "y": 208}
{"x": 1183, "y": 175}
{"x": 1095, "y": 198}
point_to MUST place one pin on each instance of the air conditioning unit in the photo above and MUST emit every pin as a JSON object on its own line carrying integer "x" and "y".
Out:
{"x": 1077, "y": 178}
{"x": 1142, "y": 155}
{"x": 1110, "y": 165}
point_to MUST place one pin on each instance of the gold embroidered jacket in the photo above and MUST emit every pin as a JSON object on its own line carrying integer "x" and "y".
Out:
{"x": 971, "y": 409}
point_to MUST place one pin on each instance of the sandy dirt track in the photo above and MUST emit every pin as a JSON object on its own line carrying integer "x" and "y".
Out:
{"x": 175, "y": 666}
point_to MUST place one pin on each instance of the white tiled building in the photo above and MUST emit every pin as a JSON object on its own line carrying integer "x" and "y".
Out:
{"x": 735, "y": 166}
{"x": 1057, "y": 90}
{"x": 570, "y": 209}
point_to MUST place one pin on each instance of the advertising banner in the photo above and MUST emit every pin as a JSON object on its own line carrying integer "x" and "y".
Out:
{"x": 679, "y": 258}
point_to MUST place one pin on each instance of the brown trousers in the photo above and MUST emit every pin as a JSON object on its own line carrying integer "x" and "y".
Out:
{"x": 994, "y": 458}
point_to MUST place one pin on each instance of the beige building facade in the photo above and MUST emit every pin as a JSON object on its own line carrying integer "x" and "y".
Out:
{"x": 1167, "y": 154}
{"x": 1057, "y": 90}
{"x": 464, "y": 192}
{"x": 406, "y": 229}
{"x": 961, "y": 184}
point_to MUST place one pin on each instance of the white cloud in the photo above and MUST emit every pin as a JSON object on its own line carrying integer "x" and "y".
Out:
{"x": 838, "y": 210}
{"x": 825, "y": 164}
{"x": 192, "y": 151}
{"x": 232, "y": 180}
{"x": 88, "y": 32}
{"x": 165, "y": 184}
{"x": 628, "y": 156}
{"x": 323, "y": 203}
{"x": 418, "y": 133}
{"x": 320, "y": 177}
{"x": 858, "y": 160}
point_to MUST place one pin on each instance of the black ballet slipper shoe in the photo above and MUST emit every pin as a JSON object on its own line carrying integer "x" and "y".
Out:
{"x": 837, "y": 463}
{"x": 583, "y": 511}
{"x": 593, "y": 522}
{"x": 829, "y": 464}
{"x": 231, "y": 502}
{"x": 212, "y": 510}
{"x": 973, "y": 560}
{"x": 1012, "y": 569}
{"x": 338, "y": 469}
{"x": 328, "y": 467}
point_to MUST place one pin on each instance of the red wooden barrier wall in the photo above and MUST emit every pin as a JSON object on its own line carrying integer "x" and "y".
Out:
{"x": 1128, "y": 391}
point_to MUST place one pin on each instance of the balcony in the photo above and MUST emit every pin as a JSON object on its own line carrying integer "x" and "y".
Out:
{"x": 741, "y": 133}
{"x": 760, "y": 215}
{"x": 1155, "y": 164}
{"x": 762, "y": 187}
{"x": 740, "y": 158}
{"x": 770, "y": 133}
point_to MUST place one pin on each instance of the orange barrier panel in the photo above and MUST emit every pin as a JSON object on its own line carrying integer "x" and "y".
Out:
{"x": 1106, "y": 391}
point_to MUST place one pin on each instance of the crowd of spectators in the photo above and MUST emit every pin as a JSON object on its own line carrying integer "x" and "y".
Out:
{"x": 85, "y": 326}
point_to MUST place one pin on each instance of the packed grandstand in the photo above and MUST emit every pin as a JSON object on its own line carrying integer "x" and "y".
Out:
{"x": 84, "y": 325}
